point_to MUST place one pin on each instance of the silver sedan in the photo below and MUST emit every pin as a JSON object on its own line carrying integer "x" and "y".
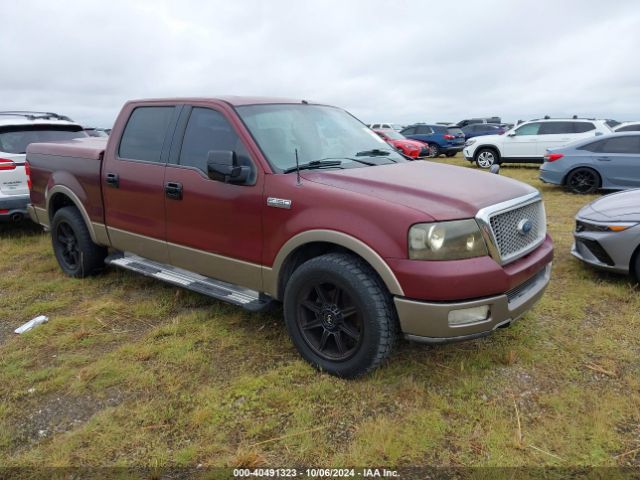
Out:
{"x": 607, "y": 233}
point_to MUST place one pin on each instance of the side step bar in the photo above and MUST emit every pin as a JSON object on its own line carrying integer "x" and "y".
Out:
{"x": 227, "y": 292}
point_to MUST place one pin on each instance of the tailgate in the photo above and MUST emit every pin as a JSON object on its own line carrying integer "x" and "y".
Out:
{"x": 13, "y": 178}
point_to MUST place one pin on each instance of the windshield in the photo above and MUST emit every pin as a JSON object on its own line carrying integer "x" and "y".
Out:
{"x": 393, "y": 135}
{"x": 16, "y": 139}
{"x": 317, "y": 132}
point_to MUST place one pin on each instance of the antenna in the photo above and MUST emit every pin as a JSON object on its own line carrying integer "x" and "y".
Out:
{"x": 298, "y": 168}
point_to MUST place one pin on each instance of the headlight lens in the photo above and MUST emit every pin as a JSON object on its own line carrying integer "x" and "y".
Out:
{"x": 469, "y": 142}
{"x": 446, "y": 241}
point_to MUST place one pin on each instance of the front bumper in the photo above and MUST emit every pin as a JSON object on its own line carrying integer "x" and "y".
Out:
{"x": 13, "y": 206}
{"x": 468, "y": 154}
{"x": 429, "y": 322}
{"x": 611, "y": 251}
{"x": 452, "y": 148}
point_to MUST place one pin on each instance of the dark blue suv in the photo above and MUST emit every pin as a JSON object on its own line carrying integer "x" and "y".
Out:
{"x": 480, "y": 129}
{"x": 441, "y": 139}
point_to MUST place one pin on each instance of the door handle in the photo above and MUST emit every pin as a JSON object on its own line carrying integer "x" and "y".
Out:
{"x": 113, "y": 180}
{"x": 603, "y": 159}
{"x": 173, "y": 190}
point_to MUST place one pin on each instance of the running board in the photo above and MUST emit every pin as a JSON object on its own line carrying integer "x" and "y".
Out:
{"x": 227, "y": 292}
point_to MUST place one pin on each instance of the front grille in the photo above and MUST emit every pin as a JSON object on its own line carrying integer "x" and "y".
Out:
{"x": 519, "y": 230}
{"x": 523, "y": 288}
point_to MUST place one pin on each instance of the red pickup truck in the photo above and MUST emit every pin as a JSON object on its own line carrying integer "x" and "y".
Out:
{"x": 254, "y": 200}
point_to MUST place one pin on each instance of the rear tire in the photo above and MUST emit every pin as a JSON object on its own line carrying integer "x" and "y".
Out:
{"x": 76, "y": 253}
{"x": 340, "y": 316}
{"x": 485, "y": 157}
{"x": 583, "y": 180}
{"x": 450, "y": 154}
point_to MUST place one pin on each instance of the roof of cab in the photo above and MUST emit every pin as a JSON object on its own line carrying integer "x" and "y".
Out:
{"x": 233, "y": 100}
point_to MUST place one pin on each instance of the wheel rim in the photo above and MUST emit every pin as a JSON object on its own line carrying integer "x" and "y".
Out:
{"x": 434, "y": 151}
{"x": 485, "y": 159}
{"x": 582, "y": 181}
{"x": 69, "y": 251}
{"x": 329, "y": 321}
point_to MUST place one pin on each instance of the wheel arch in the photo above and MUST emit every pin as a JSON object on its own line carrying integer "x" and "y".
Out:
{"x": 59, "y": 197}
{"x": 486, "y": 146}
{"x": 310, "y": 244}
{"x": 632, "y": 264}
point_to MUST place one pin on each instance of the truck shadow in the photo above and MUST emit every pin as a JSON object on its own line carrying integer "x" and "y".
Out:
{"x": 24, "y": 228}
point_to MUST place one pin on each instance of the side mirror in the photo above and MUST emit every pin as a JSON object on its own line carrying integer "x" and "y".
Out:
{"x": 511, "y": 134}
{"x": 222, "y": 166}
{"x": 599, "y": 133}
{"x": 495, "y": 168}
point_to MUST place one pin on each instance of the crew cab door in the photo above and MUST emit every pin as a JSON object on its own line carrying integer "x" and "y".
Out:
{"x": 133, "y": 180}
{"x": 213, "y": 228}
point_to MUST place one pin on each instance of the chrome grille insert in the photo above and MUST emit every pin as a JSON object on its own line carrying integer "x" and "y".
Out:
{"x": 513, "y": 228}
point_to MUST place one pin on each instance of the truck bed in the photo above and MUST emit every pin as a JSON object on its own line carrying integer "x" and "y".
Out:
{"x": 75, "y": 164}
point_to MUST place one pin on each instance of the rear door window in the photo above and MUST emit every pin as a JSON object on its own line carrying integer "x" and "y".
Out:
{"x": 15, "y": 139}
{"x": 556, "y": 128}
{"x": 145, "y": 133}
{"x": 423, "y": 130}
{"x": 628, "y": 144}
{"x": 629, "y": 128}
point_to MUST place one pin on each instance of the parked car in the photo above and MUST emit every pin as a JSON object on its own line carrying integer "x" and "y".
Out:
{"x": 441, "y": 139}
{"x": 607, "y": 162}
{"x": 627, "y": 127}
{"x": 471, "y": 121}
{"x": 411, "y": 148}
{"x": 528, "y": 142}
{"x": 256, "y": 201}
{"x": 607, "y": 234}
{"x": 385, "y": 126}
{"x": 96, "y": 132}
{"x": 480, "y": 129}
{"x": 17, "y": 130}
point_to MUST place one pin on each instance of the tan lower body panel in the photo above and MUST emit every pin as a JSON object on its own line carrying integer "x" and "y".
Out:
{"x": 231, "y": 270}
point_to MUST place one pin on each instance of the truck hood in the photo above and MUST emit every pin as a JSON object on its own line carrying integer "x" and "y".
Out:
{"x": 443, "y": 192}
{"x": 620, "y": 207}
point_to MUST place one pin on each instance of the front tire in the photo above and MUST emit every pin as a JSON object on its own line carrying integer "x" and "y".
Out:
{"x": 485, "y": 157}
{"x": 339, "y": 315}
{"x": 76, "y": 253}
{"x": 583, "y": 180}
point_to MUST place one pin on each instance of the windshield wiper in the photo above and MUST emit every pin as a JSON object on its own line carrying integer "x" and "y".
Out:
{"x": 376, "y": 152}
{"x": 314, "y": 164}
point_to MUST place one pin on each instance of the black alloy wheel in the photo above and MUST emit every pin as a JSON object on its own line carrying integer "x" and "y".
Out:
{"x": 70, "y": 252}
{"x": 329, "y": 321}
{"x": 583, "y": 180}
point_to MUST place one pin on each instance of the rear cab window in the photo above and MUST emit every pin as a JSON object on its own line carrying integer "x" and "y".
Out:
{"x": 144, "y": 136}
{"x": 15, "y": 139}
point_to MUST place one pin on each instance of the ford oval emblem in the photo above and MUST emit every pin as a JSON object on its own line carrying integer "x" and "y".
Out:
{"x": 525, "y": 226}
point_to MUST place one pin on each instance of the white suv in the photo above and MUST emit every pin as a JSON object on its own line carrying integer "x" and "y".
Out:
{"x": 529, "y": 141}
{"x": 17, "y": 130}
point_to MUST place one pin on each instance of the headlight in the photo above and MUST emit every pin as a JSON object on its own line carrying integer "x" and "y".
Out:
{"x": 446, "y": 241}
{"x": 469, "y": 142}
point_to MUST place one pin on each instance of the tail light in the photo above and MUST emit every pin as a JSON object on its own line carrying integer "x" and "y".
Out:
{"x": 27, "y": 170}
{"x": 7, "y": 164}
{"x": 552, "y": 157}
{"x": 449, "y": 137}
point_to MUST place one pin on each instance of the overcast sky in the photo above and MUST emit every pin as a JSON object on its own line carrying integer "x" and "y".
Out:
{"x": 398, "y": 61}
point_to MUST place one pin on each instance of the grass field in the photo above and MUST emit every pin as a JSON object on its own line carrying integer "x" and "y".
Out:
{"x": 129, "y": 371}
